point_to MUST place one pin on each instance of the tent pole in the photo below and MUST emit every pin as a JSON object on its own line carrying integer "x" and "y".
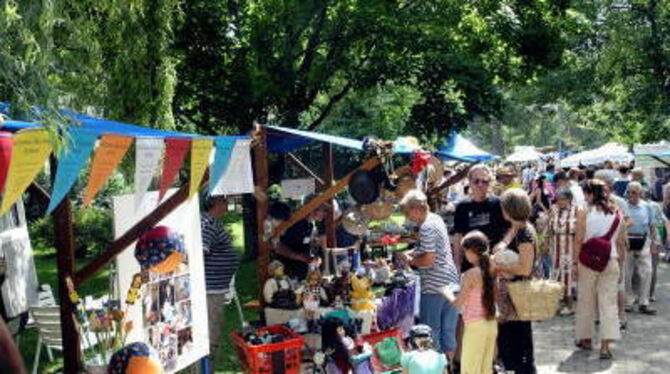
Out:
{"x": 262, "y": 182}
{"x": 328, "y": 176}
{"x": 64, "y": 242}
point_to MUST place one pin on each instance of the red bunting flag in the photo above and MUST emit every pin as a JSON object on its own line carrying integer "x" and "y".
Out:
{"x": 175, "y": 152}
{"x": 5, "y": 155}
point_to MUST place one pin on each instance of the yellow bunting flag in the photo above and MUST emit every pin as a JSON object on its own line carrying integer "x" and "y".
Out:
{"x": 30, "y": 152}
{"x": 201, "y": 148}
{"x": 107, "y": 157}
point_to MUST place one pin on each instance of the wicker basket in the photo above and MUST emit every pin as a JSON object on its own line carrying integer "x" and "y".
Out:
{"x": 536, "y": 299}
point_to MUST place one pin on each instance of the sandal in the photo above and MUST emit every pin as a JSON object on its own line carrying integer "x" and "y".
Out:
{"x": 584, "y": 344}
{"x": 606, "y": 355}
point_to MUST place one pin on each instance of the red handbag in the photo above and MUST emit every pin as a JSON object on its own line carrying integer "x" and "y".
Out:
{"x": 596, "y": 252}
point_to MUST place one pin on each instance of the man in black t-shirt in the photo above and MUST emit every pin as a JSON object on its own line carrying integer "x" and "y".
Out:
{"x": 480, "y": 212}
{"x": 295, "y": 245}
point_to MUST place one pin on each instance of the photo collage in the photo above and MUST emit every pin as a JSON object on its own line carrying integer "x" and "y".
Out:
{"x": 167, "y": 313}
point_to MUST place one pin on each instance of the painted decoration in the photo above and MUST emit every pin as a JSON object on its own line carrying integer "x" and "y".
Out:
{"x": 135, "y": 358}
{"x": 29, "y": 153}
{"x": 107, "y": 157}
{"x": 159, "y": 250}
{"x": 148, "y": 152}
{"x": 70, "y": 162}
{"x": 223, "y": 150}
{"x": 201, "y": 148}
{"x": 175, "y": 152}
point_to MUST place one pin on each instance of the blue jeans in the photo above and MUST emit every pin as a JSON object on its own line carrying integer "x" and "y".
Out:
{"x": 438, "y": 313}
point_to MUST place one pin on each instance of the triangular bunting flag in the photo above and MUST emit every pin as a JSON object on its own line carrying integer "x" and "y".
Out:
{"x": 70, "y": 162}
{"x": 223, "y": 149}
{"x": 175, "y": 152}
{"x": 148, "y": 152}
{"x": 239, "y": 176}
{"x": 6, "y": 142}
{"x": 107, "y": 157}
{"x": 200, "y": 151}
{"x": 30, "y": 152}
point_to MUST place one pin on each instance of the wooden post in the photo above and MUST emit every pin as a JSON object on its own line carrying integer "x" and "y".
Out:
{"x": 328, "y": 176}
{"x": 262, "y": 182}
{"x": 65, "y": 261}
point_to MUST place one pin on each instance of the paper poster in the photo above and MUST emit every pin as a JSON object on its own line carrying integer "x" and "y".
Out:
{"x": 175, "y": 152}
{"x": 70, "y": 162}
{"x": 148, "y": 152}
{"x": 6, "y": 142}
{"x": 201, "y": 148}
{"x": 223, "y": 150}
{"x": 239, "y": 176}
{"x": 297, "y": 188}
{"x": 107, "y": 157}
{"x": 30, "y": 152}
{"x": 172, "y": 313}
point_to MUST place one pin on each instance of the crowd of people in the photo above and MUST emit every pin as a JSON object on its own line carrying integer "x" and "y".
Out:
{"x": 547, "y": 216}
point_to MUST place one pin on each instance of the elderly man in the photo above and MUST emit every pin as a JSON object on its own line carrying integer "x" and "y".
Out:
{"x": 480, "y": 211}
{"x": 434, "y": 260}
{"x": 640, "y": 237}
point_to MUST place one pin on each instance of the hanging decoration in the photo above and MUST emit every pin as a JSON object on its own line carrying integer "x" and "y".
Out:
{"x": 107, "y": 157}
{"x": 175, "y": 152}
{"x": 6, "y": 143}
{"x": 70, "y": 161}
{"x": 148, "y": 152}
{"x": 135, "y": 358}
{"x": 30, "y": 151}
{"x": 201, "y": 148}
{"x": 224, "y": 148}
{"x": 160, "y": 250}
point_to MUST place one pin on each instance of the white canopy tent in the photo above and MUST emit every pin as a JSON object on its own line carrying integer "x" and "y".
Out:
{"x": 524, "y": 153}
{"x": 608, "y": 152}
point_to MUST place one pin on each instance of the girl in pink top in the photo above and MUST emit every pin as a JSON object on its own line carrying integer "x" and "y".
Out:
{"x": 477, "y": 304}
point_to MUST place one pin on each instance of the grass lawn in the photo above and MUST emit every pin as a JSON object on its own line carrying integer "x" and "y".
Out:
{"x": 247, "y": 286}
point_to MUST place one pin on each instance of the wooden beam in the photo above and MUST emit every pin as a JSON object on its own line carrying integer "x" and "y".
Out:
{"x": 304, "y": 167}
{"x": 325, "y": 196}
{"x": 262, "y": 181}
{"x": 65, "y": 262}
{"x": 328, "y": 177}
{"x": 662, "y": 161}
{"x": 134, "y": 233}
{"x": 41, "y": 194}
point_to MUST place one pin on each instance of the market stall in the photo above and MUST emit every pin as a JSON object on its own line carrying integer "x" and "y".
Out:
{"x": 358, "y": 284}
{"x": 524, "y": 154}
{"x": 655, "y": 155}
{"x": 222, "y": 162}
{"x": 607, "y": 152}
{"x": 456, "y": 145}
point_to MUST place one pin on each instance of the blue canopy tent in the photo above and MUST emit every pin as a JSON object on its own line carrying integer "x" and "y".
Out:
{"x": 455, "y": 146}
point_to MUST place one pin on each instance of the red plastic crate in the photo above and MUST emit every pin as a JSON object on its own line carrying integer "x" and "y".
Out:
{"x": 257, "y": 359}
{"x": 377, "y": 337}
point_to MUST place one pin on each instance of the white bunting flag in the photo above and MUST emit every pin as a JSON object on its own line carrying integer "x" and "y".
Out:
{"x": 148, "y": 152}
{"x": 239, "y": 176}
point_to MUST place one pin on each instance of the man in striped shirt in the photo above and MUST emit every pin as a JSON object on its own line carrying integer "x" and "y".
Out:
{"x": 435, "y": 262}
{"x": 221, "y": 263}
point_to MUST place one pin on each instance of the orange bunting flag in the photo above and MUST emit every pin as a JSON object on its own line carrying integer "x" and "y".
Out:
{"x": 30, "y": 152}
{"x": 107, "y": 157}
{"x": 201, "y": 148}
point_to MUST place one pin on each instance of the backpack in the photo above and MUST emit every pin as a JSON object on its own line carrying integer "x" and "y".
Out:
{"x": 596, "y": 252}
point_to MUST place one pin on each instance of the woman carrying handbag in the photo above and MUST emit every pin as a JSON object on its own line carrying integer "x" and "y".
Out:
{"x": 598, "y": 262}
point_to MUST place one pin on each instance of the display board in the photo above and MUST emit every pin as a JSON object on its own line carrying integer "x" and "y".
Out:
{"x": 163, "y": 317}
{"x": 297, "y": 188}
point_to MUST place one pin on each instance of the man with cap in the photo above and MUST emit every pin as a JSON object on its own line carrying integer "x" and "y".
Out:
{"x": 505, "y": 179}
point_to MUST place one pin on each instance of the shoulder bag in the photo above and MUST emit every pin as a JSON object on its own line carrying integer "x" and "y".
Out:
{"x": 596, "y": 252}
